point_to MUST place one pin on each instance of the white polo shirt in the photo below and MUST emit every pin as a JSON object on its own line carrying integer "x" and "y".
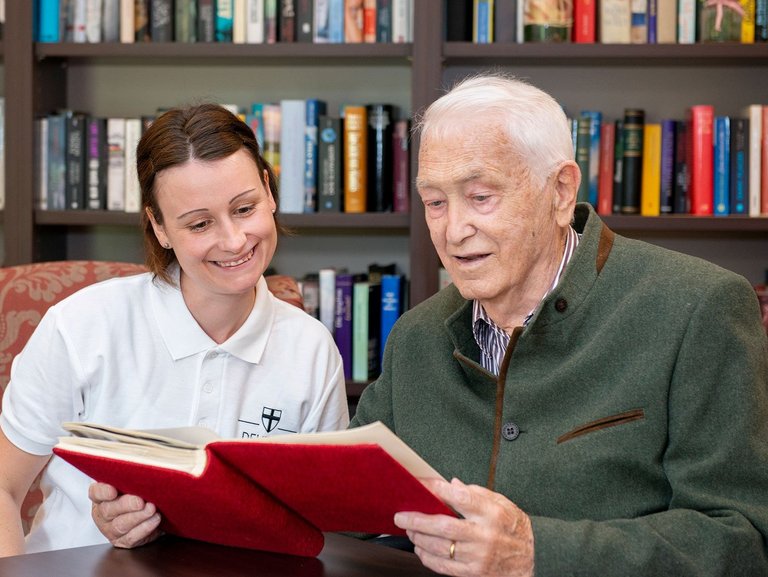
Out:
{"x": 127, "y": 352}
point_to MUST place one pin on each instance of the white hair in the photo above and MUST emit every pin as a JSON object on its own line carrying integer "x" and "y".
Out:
{"x": 536, "y": 125}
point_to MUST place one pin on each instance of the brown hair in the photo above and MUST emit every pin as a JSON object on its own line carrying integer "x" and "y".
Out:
{"x": 204, "y": 132}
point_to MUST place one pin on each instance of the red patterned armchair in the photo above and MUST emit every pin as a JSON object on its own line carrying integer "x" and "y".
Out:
{"x": 26, "y": 292}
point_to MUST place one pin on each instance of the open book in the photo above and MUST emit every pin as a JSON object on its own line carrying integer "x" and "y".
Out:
{"x": 277, "y": 494}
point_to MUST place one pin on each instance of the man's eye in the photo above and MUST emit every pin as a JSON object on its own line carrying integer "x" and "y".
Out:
{"x": 435, "y": 203}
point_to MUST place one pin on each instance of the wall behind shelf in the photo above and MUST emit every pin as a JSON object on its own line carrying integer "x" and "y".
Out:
{"x": 2, "y": 230}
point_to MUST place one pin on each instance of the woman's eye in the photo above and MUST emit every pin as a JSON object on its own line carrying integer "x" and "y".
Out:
{"x": 198, "y": 226}
{"x": 245, "y": 209}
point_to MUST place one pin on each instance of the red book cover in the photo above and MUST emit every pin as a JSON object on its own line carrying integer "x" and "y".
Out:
{"x": 764, "y": 164}
{"x": 701, "y": 160}
{"x": 584, "y": 17}
{"x": 276, "y": 494}
{"x": 605, "y": 176}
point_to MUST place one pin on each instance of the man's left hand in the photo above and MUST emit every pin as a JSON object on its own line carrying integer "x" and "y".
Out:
{"x": 493, "y": 538}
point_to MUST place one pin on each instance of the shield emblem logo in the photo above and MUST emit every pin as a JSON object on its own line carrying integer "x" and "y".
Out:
{"x": 270, "y": 418}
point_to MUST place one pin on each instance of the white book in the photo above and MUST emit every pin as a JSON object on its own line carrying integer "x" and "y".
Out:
{"x": 78, "y": 14}
{"x": 132, "y": 190}
{"x": 239, "y": 20}
{"x": 402, "y": 25}
{"x": 755, "y": 114}
{"x": 686, "y": 21}
{"x": 254, "y": 26}
{"x": 615, "y": 17}
{"x": 322, "y": 16}
{"x": 116, "y": 164}
{"x": 127, "y": 22}
{"x": 110, "y": 21}
{"x": 41, "y": 169}
{"x": 293, "y": 119}
{"x": 327, "y": 290}
{"x": 93, "y": 20}
{"x": 666, "y": 22}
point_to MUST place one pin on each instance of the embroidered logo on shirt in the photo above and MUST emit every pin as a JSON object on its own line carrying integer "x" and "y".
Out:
{"x": 270, "y": 418}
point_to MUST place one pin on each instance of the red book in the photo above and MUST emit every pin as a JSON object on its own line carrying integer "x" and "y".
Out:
{"x": 701, "y": 133}
{"x": 584, "y": 17}
{"x": 605, "y": 176}
{"x": 274, "y": 493}
{"x": 764, "y": 165}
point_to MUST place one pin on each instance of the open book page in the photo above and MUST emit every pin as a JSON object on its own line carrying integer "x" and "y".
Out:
{"x": 181, "y": 437}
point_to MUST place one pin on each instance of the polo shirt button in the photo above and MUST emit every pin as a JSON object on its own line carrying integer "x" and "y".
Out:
{"x": 561, "y": 305}
{"x": 510, "y": 431}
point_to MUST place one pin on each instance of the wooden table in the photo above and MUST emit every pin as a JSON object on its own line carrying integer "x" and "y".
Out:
{"x": 170, "y": 557}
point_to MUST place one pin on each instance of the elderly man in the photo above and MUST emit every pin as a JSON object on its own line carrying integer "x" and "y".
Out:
{"x": 600, "y": 403}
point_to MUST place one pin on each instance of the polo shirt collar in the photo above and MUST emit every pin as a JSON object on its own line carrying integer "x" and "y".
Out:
{"x": 184, "y": 337}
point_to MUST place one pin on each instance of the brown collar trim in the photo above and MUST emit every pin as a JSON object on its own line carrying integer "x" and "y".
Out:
{"x": 604, "y": 247}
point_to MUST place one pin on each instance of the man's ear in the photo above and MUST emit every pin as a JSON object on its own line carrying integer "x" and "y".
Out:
{"x": 566, "y": 185}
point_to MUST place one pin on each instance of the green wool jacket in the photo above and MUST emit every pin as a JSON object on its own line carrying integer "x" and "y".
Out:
{"x": 635, "y": 408}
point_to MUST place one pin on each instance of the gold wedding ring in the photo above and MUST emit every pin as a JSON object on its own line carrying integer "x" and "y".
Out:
{"x": 452, "y": 550}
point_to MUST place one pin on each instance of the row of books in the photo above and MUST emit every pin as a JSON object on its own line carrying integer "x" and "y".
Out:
{"x": 359, "y": 311}
{"x": 234, "y": 21}
{"x": 356, "y": 162}
{"x": 607, "y": 21}
{"x": 703, "y": 164}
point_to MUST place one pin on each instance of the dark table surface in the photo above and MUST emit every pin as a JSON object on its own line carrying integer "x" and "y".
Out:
{"x": 170, "y": 557}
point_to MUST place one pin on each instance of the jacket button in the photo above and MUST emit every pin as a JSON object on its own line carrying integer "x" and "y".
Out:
{"x": 510, "y": 431}
{"x": 561, "y": 305}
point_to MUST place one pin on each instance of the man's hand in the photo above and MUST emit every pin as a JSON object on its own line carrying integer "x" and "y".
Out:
{"x": 494, "y": 537}
{"x": 126, "y": 520}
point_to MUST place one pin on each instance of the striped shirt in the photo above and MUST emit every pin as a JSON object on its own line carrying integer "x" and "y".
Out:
{"x": 491, "y": 338}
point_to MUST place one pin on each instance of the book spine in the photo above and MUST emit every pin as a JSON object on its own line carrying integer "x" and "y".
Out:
{"x": 256, "y": 121}
{"x": 615, "y": 22}
{"x": 618, "y": 165}
{"x": 93, "y": 21}
{"x": 374, "y": 328}
{"x": 287, "y": 21}
{"x": 605, "y": 180}
{"x": 634, "y": 120}
{"x": 458, "y": 20}
{"x": 271, "y": 115}
{"x": 755, "y": 114}
{"x": 41, "y": 159}
{"x": 327, "y": 289}
{"x": 141, "y": 21}
{"x": 761, "y": 20}
{"x": 594, "y": 153}
{"x": 330, "y": 155}
{"x": 304, "y": 20}
{"x": 127, "y": 26}
{"x": 391, "y": 294}
{"x": 355, "y": 158}
{"x": 701, "y": 142}
{"x": 239, "y": 21}
{"x": 383, "y": 21}
{"x": 161, "y": 20}
{"x": 370, "y": 16}
{"x": 206, "y": 20}
{"x": 686, "y": 21}
{"x": 97, "y": 163}
{"x": 583, "y": 146}
{"x": 638, "y": 30}
{"x": 666, "y": 22}
{"x": 116, "y": 164}
{"x": 75, "y": 190}
{"x": 721, "y": 166}
{"x": 652, "y": 8}
{"x": 748, "y": 22}
{"x": 584, "y": 17}
{"x": 360, "y": 331}
{"x": 57, "y": 161}
{"x": 342, "y": 323}
{"x": 379, "y": 163}
{"x": 185, "y": 21}
{"x": 401, "y": 162}
{"x": 310, "y": 292}
{"x": 110, "y": 21}
{"x": 336, "y": 21}
{"x": 48, "y": 23}
{"x": 682, "y": 168}
{"x": 402, "y": 13}
{"x": 353, "y": 21}
{"x": 293, "y": 115}
{"x": 667, "y": 176}
{"x": 482, "y": 22}
{"x": 321, "y": 33}
{"x": 739, "y": 201}
{"x": 224, "y": 20}
{"x": 254, "y": 24}
{"x": 764, "y": 163}
{"x": 132, "y": 190}
{"x": 650, "y": 193}
{"x": 314, "y": 109}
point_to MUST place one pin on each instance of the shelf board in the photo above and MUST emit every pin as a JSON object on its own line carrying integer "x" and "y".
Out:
{"x": 557, "y": 54}
{"x": 369, "y": 54}
{"x": 365, "y": 221}
{"x": 731, "y": 225}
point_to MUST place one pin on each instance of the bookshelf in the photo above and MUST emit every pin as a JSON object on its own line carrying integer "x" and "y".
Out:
{"x": 130, "y": 79}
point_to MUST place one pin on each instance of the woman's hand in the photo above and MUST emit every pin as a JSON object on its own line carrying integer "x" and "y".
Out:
{"x": 126, "y": 520}
{"x": 493, "y": 538}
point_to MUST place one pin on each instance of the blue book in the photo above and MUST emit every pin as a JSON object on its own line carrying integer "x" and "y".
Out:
{"x": 48, "y": 21}
{"x": 652, "y": 20}
{"x": 667, "y": 201}
{"x": 482, "y": 32}
{"x": 256, "y": 121}
{"x": 336, "y": 21}
{"x": 721, "y": 165}
{"x": 57, "y": 161}
{"x": 314, "y": 109}
{"x": 391, "y": 304}
{"x": 739, "y": 201}
{"x": 342, "y": 323}
{"x": 225, "y": 10}
{"x": 596, "y": 118}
